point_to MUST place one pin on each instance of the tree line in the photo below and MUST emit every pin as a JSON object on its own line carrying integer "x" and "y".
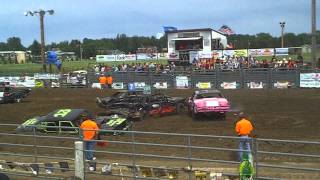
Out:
{"x": 126, "y": 44}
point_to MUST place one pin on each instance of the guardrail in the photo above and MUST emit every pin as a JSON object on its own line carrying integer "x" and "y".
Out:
{"x": 153, "y": 155}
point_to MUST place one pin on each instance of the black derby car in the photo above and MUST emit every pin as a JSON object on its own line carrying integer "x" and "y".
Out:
{"x": 137, "y": 105}
{"x": 68, "y": 121}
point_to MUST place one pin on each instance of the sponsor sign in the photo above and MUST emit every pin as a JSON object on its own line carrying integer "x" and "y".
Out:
{"x": 255, "y": 85}
{"x": 117, "y": 85}
{"x": 203, "y": 85}
{"x": 131, "y": 87}
{"x": 116, "y": 57}
{"x": 160, "y": 85}
{"x": 139, "y": 85}
{"x": 182, "y": 82}
{"x": 147, "y": 89}
{"x": 267, "y": 52}
{"x": 310, "y": 80}
{"x": 205, "y": 55}
{"x": 282, "y": 51}
{"x": 146, "y": 56}
{"x": 46, "y": 76}
{"x": 281, "y": 84}
{"x": 240, "y": 53}
{"x": 194, "y": 56}
{"x": 229, "y": 85}
{"x": 174, "y": 56}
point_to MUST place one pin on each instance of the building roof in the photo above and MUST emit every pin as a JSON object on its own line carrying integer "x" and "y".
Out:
{"x": 193, "y": 30}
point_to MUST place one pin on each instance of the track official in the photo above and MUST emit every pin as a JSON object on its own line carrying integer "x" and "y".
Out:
{"x": 243, "y": 129}
{"x": 90, "y": 132}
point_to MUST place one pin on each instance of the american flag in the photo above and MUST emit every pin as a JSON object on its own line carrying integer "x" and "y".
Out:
{"x": 226, "y": 30}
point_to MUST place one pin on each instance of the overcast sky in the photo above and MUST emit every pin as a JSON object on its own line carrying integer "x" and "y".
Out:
{"x": 77, "y": 19}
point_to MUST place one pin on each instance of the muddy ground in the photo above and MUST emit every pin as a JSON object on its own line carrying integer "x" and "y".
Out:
{"x": 280, "y": 114}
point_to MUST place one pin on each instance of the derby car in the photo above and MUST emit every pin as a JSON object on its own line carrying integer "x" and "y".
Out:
{"x": 137, "y": 105}
{"x": 208, "y": 102}
{"x": 11, "y": 94}
{"x": 68, "y": 121}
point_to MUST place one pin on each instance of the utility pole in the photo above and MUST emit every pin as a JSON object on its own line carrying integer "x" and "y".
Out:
{"x": 282, "y": 24}
{"x": 313, "y": 34}
{"x": 41, "y": 15}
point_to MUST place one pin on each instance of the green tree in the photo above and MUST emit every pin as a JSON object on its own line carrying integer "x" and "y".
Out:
{"x": 14, "y": 44}
{"x": 35, "y": 48}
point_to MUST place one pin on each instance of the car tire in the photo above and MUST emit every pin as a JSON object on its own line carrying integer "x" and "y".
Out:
{"x": 181, "y": 108}
{"x": 193, "y": 115}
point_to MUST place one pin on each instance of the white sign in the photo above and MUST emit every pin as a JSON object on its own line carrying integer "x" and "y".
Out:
{"x": 212, "y": 103}
{"x": 229, "y": 85}
{"x": 160, "y": 85}
{"x": 310, "y": 80}
{"x": 139, "y": 85}
{"x": 182, "y": 82}
{"x": 117, "y": 85}
{"x": 256, "y": 85}
{"x": 281, "y": 84}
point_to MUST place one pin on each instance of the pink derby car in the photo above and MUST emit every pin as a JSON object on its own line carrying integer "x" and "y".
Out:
{"x": 208, "y": 101}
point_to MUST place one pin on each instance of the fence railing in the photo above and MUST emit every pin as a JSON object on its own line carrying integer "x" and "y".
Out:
{"x": 153, "y": 155}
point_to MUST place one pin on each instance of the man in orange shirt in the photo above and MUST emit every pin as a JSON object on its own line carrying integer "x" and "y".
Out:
{"x": 109, "y": 81}
{"x": 103, "y": 81}
{"x": 243, "y": 129}
{"x": 90, "y": 132}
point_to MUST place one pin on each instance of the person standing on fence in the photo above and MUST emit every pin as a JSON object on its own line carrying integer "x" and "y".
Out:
{"x": 103, "y": 81}
{"x": 243, "y": 129}
{"x": 109, "y": 81}
{"x": 90, "y": 131}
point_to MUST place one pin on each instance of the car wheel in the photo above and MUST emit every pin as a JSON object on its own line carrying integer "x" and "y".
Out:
{"x": 181, "y": 108}
{"x": 193, "y": 115}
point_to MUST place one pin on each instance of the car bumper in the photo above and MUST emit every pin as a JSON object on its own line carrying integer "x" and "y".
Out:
{"x": 218, "y": 109}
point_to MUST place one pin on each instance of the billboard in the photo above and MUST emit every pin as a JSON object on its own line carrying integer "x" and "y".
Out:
{"x": 310, "y": 80}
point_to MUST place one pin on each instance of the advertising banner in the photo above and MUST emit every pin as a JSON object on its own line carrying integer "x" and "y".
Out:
{"x": 139, "y": 85}
{"x": 240, "y": 53}
{"x": 203, "y": 85}
{"x": 117, "y": 85}
{"x": 194, "y": 56}
{"x": 229, "y": 85}
{"x": 255, "y": 52}
{"x": 310, "y": 80}
{"x": 281, "y": 84}
{"x": 205, "y": 55}
{"x": 267, "y": 52}
{"x": 174, "y": 56}
{"x": 282, "y": 51}
{"x": 255, "y": 85}
{"x": 146, "y": 56}
{"x": 182, "y": 82}
{"x": 160, "y": 85}
{"x": 105, "y": 58}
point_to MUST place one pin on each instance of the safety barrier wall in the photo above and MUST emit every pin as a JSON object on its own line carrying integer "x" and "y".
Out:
{"x": 153, "y": 155}
{"x": 219, "y": 79}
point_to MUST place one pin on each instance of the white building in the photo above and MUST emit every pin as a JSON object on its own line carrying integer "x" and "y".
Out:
{"x": 189, "y": 45}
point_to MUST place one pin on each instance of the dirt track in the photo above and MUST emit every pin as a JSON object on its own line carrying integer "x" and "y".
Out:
{"x": 280, "y": 114}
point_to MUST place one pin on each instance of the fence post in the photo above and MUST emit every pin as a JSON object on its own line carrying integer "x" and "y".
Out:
{"x": 256, "y": 166}
{"x": 35, "y": 152}
{"x": 189, "y": 158}
{"x": 79, "y": 160}
{"x": 134, "y": 169}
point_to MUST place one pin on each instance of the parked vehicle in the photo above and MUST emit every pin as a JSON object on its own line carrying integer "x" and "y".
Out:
{"x": 68, "y": 121}
{"x": 208, "y": 102}
{"x": 11, "y": 94}
{"x": 138, "y": 105}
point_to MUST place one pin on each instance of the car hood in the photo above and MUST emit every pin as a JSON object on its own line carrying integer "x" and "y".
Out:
{"x": 28, "y": 125}
{"x": 211, "y": 102}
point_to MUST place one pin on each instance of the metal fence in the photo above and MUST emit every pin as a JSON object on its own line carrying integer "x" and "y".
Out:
{"x": 153, "y": 155}
{"x": 268, "y": 77}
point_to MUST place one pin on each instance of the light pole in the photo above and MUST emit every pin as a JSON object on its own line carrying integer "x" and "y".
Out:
{"x": 282, "y": 24}
{"x": 41, "y": 14}
{"x": 313, "y": 33}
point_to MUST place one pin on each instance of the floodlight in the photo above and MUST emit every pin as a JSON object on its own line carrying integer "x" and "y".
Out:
{"x": 26, "y": 13}
{"x": 51, "y": 11}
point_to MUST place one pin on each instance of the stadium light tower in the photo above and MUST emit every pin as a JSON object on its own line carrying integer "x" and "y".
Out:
{"x": 41, "y": 14}
{"x": 313, "y": 34}
{"x": 282, "y": 24}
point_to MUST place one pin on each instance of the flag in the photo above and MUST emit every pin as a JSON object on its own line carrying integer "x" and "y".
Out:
{"x": 169, "y": 28}
{"x": 226, "y": 30}
{"x": 230, "y": 46}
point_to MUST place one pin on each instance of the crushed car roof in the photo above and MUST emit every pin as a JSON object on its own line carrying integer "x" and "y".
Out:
{"x": 64, "y": 114}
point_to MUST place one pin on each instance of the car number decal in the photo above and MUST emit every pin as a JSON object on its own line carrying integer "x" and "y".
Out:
{"x": 30, "y": 122}
{"x": 62, "y": 113}
{"x": 113, "y": 122}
